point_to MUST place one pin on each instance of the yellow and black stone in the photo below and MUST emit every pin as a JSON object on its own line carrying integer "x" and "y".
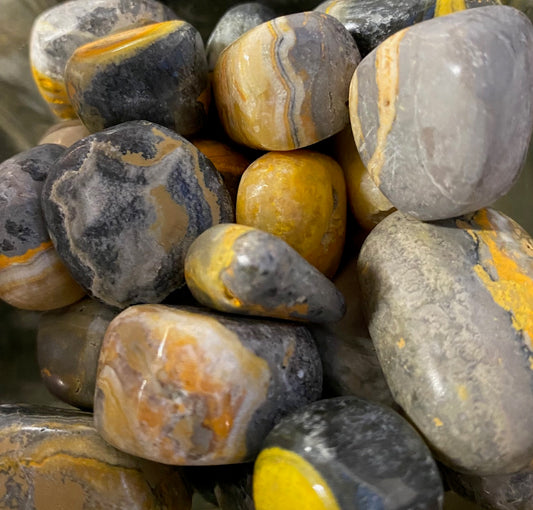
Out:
{"x": 345, "y": 453}
{"x": 123, "y": 206}
{"x": 186, "y": 386}
{"x": 32, "y": 276}
{"x": 240, "y": 269}
{"x": 68, "y": 345}
{"x": 450, "y": 310}
{"x": 53, "y": 458}
{"x": 157, "y": 72}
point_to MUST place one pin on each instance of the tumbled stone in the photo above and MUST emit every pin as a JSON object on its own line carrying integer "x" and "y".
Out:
{"x": 66, "y": 133}
{"x": 185, "y": 386}
{"x": 68, "y": 345}
{"x": 240, "y": 269}
{"x": 157, "y": 72}
{"x": 445, "y": 7}
{"x": 32, "y": 276}
{"x": 345, "y": 453}
{"x": 450, "y": 311}
{"x": 123, "y": 206}
{"x": 234, "y": 23}
{"x": 440, "y": 151}
{"x": 52, "y": 458}
{"x": 58, "y": 31}
{"x": 299, "y": 196}
{"x": 284, "y": 84}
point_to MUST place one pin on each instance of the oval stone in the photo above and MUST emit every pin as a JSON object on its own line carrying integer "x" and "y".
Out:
{"x": 52, "y": 458}
{"x": 157, "y": 72}
{"x": 123, "y": 206}
{"x": 32, "y": 276}
{"x": 66, "y": 133}
{"x": 189, "y": 387}
{"x": 345, "y": 453}
{"x": 299, "y": 196}
{"x": 58, "y": 31}
{"x": 450, "y": 311}
{"x": 239, "y": 269}
{"x": 437, "y": 151}
{"x": 68, "y": 345}
{"x": 284, "y": 84}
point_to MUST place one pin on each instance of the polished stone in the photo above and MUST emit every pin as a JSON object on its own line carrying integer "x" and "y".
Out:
{"x": 66, "y": 133}
{"x": 189, "y": 387}
{"x": 450, "y": 311}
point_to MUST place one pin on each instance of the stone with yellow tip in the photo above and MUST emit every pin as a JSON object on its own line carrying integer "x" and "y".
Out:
{"x": 188, "y": 387}
{"x": 450, "y": 310}
{"x": 240, "y": 269}
{"x": 345, "y": 453}
{"x": 53, "y": 458}
{"x": 299, "y": 196}
{"x": 444, "y": 7}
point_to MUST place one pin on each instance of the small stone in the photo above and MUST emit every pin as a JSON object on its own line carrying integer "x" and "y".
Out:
{"x": 123, "y": 206}
{"x": 442, "y": 112}
{"x": 240, "y": 269}
{"x": 234, "y": 23}
{"x": 299, "y": 196}
{"x": 345, "y": 453}
{"x": 68, "y": 345}
{"x": 284, "y": 84}
{"x": 52, "y": 458}
{"x": 58, "y": 31}
{"x": 450, "y": 311}
{"x": 32, "y": 276}
{"x": 188, "y": 387}
{"x": 157, "y": 72}
{"x": 65, "y": 133}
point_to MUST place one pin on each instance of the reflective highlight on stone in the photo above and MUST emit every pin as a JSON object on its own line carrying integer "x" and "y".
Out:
{"x": 157, "y": 72}
{"x": 124, "y": 205}
{"x": 32, "y": 276}
{"x": 65, "y": 133}
{"x": 441, "y": 151}
{"x": 68, "y": 345}
{"x": 450, "y": 310}
{"x": 58, "y": 31}
{"x": 284, "y": 84}
{"x": 240, "y": 269}
{"x": 53, "y": 458}
{"x": 345, "y": 453}
{"x": 299, "y": 196}
{"x": 189, "y": 387}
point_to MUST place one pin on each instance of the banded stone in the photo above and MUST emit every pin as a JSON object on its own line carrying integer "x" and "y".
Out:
{"x": 437, "y": 155}
{"x": 284, "y": 84}
{"x": 444, "y": 7}
{"x": 58, "y": 31}
{"x": 53, "y": 458}
{"x": 345, "y": 453}
{"x": 240, "y": 269}
{"x": 32, "y": 276}
{"x": 157, "y": 72}
{"x": 450, "y": 311}
{"x": 189, "y": 387}
{"x": 123, "y": 206}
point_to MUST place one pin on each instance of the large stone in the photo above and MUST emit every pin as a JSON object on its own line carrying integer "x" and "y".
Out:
{"x": 442, "y": 112}
{"x": 189, "y": 387}
{"x": 450, "y": 311}
{"x": 123, "y": 206}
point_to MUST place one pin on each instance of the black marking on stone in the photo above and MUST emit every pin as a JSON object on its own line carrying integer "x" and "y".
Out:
{"x": 7, "y": 245}
{"x": 99, "y": 21}
{"x": 21, "y": 232}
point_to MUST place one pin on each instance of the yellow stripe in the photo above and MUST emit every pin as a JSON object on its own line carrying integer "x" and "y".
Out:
{"x": 444, "y": 7}
{"x": 55, "y": 94}
{"x": 6, "y": 261}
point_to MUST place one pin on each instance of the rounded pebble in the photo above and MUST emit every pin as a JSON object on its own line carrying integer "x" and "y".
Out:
{"x": 65, "y": 133}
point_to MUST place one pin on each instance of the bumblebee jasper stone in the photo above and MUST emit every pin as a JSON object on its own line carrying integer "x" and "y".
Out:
{"x": 58, "y": 31}
{"x": 240, "y": 269}
{"x": 345, "y": 453}
{"x": 450, "y": 311}
{"x": 299, "y": 196}
{"x": 53, "y": 458}
{"x": 123, "y": 205}
{"x": 284, "y": 84}
{"x": 68, "y": 345}
{"x": 157, "y": 72}
{"x": 184, "y": 386}
{"x": 442, "y": 112}
{"x": 234, "y": 23}
{"x": 32, "y": 276}
{"x": 444, "y": 7}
